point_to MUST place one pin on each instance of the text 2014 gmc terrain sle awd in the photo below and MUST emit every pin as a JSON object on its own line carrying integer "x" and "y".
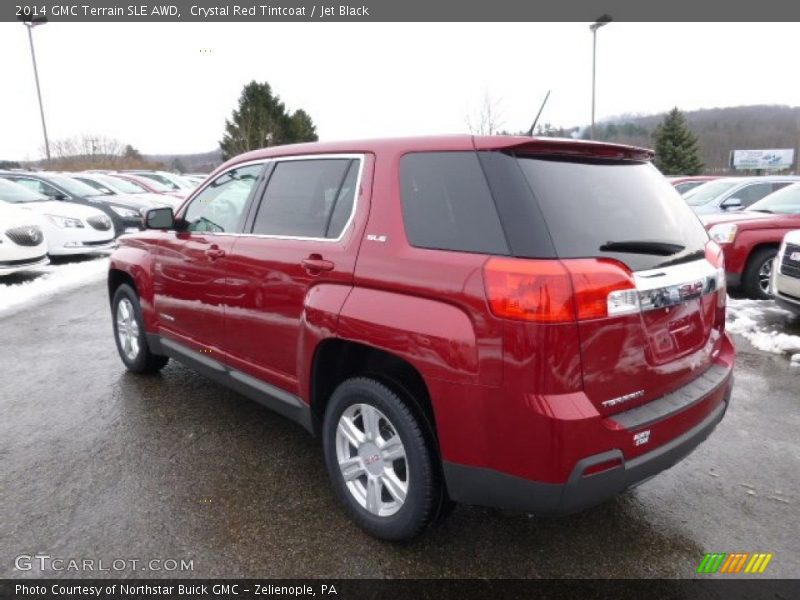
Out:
{"x": 525, "y": 323}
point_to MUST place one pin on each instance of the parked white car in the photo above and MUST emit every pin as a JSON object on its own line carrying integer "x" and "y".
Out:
{"x": 68, "y": 228}
{"x": 22, "y": 243}
{"x": 785, "y": 284}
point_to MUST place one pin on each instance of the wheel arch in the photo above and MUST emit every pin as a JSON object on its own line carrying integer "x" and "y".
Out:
{"x": 336, "y": 360}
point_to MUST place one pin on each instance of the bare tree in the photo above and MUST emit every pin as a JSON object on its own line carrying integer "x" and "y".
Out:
{"x": 88, "y": 151}
{"x": 487, "y": 120}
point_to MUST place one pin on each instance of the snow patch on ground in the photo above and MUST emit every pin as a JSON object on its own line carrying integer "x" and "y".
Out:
{"x": 764, "y": 324}
{"x": 19, "y": 291}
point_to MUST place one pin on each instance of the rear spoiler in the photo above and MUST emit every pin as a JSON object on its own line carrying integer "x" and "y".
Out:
{"x": 563, "y": 147}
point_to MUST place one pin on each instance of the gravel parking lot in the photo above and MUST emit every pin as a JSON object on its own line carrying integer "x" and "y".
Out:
{"x": 100, "y": 464}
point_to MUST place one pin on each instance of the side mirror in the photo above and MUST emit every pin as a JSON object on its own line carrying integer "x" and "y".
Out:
{"x": 159, "y": 218}
{"x": 731, "y": 203}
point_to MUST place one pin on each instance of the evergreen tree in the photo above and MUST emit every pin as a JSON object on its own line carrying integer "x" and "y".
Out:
{"x": 302, "y": 127}
{"x": 261, "y": 120}
{"x": 676, "y": 146}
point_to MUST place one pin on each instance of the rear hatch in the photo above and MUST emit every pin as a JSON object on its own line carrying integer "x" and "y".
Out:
{"x": 647, "y": 285}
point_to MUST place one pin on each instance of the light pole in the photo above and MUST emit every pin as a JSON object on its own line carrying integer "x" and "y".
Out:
{"x": 30, "y": 25}
{"x": 604, "y": 20}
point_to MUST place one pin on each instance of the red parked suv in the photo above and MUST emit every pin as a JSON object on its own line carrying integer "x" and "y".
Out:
{"x": 532, "y": 324}
{"x": 750, "y": 239}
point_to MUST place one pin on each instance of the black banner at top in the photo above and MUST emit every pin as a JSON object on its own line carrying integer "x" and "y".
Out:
{"x": 145, "y": 11}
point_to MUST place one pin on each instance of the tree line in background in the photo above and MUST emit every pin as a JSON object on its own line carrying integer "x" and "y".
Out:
{"x": 685, "y": 143}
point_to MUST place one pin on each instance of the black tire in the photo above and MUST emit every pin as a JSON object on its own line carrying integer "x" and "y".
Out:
{"x": 423, "y": 499}
{"x": 751, "y": 276}
{"x": 144, "y": 361}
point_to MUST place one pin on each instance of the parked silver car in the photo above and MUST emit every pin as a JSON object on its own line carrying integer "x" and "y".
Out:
{"x": 734, "y": 193}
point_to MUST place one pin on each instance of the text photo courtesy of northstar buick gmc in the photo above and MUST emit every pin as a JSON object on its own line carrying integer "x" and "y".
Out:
{"x": 524, "y": 323}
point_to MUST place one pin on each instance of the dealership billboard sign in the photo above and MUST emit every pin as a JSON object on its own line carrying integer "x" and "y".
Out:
{"x": 763, "y": 159}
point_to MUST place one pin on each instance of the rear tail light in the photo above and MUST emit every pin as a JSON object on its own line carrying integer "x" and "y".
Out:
{"x": 557, "y": 291}
{"x": 603, "y": 288}
{"x": 529, "y": 290}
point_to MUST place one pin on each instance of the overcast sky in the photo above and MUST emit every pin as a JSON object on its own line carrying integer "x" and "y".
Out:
{"x": 168, "y": 87}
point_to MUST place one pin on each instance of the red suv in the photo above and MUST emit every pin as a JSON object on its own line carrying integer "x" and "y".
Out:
{"x": 750, "y": 239}
{"x": 525, "y": 323}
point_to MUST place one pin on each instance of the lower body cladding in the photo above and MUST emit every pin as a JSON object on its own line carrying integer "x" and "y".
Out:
{"x": 7, "y": 267}
{"x": 274, "y": 398}
{"x": 598, "y": 476}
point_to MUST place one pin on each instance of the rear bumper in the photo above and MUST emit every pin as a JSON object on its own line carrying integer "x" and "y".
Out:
{"x": 487, "y": 487}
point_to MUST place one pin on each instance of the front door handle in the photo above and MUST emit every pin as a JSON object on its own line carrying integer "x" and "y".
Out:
{"x": 315, "y": 264}
{"x": 215, "y": 252}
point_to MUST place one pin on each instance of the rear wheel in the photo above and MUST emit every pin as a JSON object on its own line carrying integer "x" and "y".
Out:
{"x": 757, "y": 274}
{"x": 380, "y": 463}
{"x": 129, "y": 333}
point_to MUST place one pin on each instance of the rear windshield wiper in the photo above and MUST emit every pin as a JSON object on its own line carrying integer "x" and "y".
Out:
{"x": 643, "y": 247}
{"x": 764, "y": 210}
{"x": 684, "y": 258}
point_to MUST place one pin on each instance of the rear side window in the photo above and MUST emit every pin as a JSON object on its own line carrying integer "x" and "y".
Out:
{"x": 589, "y": 205}
{"x": 447, "y": 204}
{"x": 308, "y": 198}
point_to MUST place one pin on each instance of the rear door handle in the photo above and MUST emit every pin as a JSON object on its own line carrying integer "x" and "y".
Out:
{"x": 215, "y": 252}
{"x": 315, "y": 264}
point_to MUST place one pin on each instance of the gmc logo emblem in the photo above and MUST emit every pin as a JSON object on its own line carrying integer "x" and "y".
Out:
{"x": 691, "y": 290}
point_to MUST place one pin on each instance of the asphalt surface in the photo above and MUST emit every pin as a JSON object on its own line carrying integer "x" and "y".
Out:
{"x": 97, "y": 463}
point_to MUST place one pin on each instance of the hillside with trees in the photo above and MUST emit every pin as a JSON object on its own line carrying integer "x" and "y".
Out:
{"x": 718, "y": 130}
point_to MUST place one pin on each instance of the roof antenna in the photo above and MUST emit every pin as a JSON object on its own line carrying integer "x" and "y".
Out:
{"x": 539, "y": 114}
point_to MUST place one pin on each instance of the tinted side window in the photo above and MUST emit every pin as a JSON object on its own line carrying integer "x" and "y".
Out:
{"x": 37, "y": 186}
{"x": 447, "y": 204}
{"x": 752, "y": 193}
{"x": 308, "y": 198}
{"x": 220, "y": 206}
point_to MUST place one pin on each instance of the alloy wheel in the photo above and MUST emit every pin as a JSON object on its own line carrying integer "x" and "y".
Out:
{"x": 127, "y": 329}
{"x": 372, "y": 459}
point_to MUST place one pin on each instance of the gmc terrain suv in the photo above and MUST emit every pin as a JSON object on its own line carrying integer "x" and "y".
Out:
{"x": 525, "y": 323}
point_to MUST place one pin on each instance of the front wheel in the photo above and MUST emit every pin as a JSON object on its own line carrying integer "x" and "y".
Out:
{"x": 380, "y": 463}
{"x": 129, "y": 333}
{"x": 756, "y": 277}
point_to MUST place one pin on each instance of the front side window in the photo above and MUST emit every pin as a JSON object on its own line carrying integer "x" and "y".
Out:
{"x": 38, "y": 186}
{"x": 311, "y": 198}
{"x": 219, "y": 208}
{"x": 752, "y": 193}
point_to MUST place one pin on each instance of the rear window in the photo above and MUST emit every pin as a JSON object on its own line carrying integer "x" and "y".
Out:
{"x": 447, "y": 204}
{"x": 588, "y": 205}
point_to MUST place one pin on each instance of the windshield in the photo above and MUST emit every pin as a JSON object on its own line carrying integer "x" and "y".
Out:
{"x": 13, "y": 192}
{"x": 626, "y": 211}
{"x": 99, "y": 186}
{"x": 73, "y": 186}
{"x": 784, "y": 202}
{"x": 156, "y": 185}
{"x": 121, "y": 185}
{"x": 703, "y": 194}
